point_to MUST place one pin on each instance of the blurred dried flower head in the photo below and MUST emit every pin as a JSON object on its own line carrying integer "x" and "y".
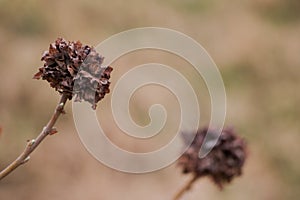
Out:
{"x": 75, "y": 69}
{"x": 222, "y": 164}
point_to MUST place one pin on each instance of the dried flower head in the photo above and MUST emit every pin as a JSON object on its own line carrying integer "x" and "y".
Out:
{"x": 67, "y": 63}
{"x": 222, "y": 164}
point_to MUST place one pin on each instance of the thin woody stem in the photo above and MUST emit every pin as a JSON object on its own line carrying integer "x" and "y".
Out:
{"x": 34, "y": 143}
{"x": 185, "y": 188}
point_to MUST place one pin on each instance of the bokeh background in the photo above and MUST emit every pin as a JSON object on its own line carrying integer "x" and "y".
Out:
{"x": 256, "y": 45}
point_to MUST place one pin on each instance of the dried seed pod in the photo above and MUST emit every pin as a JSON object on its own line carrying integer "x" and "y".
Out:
{"x": 66, "y": 62}
{"x": 222, "y": 164}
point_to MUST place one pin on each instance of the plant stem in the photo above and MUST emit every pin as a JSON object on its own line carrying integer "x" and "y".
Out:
{"x": 33, "y": 144}
{"x": 185, "y": 188}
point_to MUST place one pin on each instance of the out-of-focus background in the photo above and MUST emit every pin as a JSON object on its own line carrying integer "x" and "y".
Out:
{"x": 256, "y": 45}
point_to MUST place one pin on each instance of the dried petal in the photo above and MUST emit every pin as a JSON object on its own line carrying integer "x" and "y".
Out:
{"x": 38, "y": 75}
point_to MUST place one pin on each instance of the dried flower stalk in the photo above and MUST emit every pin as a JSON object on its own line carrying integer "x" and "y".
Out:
{"x": 72, "y": 69}
{"x": 185, "y": 188}
{"x": 222, "y": 164}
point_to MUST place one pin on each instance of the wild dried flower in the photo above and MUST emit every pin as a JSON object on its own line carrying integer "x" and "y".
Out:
{"x": 68, "y": 62}
{"x": 222, "y": 164}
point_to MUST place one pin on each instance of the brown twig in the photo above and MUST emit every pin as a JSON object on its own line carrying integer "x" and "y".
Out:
{"x": 185, "y": 188}
{"x": 34, "y": 143}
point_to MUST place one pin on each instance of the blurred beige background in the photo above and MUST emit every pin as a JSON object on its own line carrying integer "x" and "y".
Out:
{"x": 256, "y": 45}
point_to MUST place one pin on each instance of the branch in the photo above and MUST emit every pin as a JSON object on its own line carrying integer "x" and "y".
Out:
{"x": 185, "y": 188}
{"x": 34, "y": 143}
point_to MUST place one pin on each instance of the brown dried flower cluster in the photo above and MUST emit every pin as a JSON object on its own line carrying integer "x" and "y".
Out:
{"x": 222, "y": 164}
{"x": 75, "y": 69}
